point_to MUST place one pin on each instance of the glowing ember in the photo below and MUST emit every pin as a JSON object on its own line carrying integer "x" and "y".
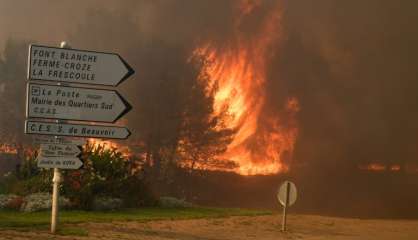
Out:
{"x": 378, "y": 167}
{"x": 395, "y": 168}
{"x": 238, "y": 71}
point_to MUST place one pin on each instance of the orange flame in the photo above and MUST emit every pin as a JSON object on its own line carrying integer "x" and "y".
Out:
{"x": 395, "y": 168}
{"x": 8, "y": 149}
{"x": 238, "y": 73}
{"x": 110, "y": 145}
{"x": 378, "y": 167}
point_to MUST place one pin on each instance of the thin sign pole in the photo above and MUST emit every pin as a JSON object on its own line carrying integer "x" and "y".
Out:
{"x": 55, "y": 195}
{"x": 285, "y": 206}
{"x": 56, "y": 183}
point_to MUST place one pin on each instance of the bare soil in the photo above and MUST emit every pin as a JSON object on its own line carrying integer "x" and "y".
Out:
{"x": 261, "y": 227}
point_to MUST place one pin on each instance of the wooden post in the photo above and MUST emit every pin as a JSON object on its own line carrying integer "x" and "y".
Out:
{"x": 285, "y": 206}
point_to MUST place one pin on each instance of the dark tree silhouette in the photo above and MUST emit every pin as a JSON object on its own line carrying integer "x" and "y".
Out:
{"x": 13, "y": 94}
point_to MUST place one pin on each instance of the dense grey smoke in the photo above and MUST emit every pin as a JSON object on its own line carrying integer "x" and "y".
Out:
{"x": 351, "y": 64}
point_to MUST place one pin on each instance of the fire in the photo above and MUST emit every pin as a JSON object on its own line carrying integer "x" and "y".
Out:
{"x": 378, "y": 167}
{"x": 8, "y": 149}
{"x": 238, "y": 72}
{"x": 110, "y": 145}
{"x": 395, "y": 168}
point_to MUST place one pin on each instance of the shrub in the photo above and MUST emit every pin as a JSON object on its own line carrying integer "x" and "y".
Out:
{"x": 42, "y": 201}
{"x": 171, "y": 202}
{"x": 27, "y": 178}
{"x": 38, "y": 183}
{"x": 15, "y": 203}
{"x": 107, "y": 203}
{"x": 7, "y": 181}
{"x": 106, "y": 172}
{"x": 6, "y": 200}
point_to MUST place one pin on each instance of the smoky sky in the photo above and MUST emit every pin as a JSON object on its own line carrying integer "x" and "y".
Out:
{"x": 351, "y": 64}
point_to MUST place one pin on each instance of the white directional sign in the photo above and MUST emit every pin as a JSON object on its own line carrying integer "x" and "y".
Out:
{"x": 76, "y": 66}
{"x": 75, "y": 130}
{"x": 59, "y": 150}
{"x": 74, "y": 103}
{"x": 58, "y": 140}
{"x": 62, "y": 163}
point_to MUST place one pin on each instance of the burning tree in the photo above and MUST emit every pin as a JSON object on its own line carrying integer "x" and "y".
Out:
{"x": 204, "y": 135}
{"x": 173, "y": 120}
{"x": 206, "y": 104}
{"x": 263, "y": 143}
{"x": 200, "y": 106}
{"x": 179, "y": 126}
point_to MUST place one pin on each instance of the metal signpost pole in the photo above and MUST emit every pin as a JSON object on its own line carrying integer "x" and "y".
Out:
{"x": 66, "y": 65}
{"x": 56, "y": 183}
{"x": 55, "y": 195}
{"x": 285, "y": 206}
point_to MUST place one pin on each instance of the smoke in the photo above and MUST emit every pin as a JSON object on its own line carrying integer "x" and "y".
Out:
{"x": 352, "y": 65}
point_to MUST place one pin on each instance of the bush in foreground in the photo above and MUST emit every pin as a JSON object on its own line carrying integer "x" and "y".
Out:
{"x": 106, "y": 174}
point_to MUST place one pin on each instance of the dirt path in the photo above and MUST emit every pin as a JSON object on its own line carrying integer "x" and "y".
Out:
{"x": 263, "y": 227}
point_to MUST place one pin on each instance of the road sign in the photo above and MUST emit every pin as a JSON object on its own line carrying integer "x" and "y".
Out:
{"x": 74, "y": 103}
{"x": 58, "y": 140}
{"x": 62, "y": 163}
{"x": 287, "y": 193}
{"x": 75, "y": 130}
{"x": 59, "y": 150}
{"x": 76, "y": 66}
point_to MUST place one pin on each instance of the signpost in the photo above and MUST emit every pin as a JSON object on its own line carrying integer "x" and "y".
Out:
{"x": 63, "y": 66}
{"x": 59, "y": 163}
{"x": 76, "y": 130}
{"x": 76, "y": 66}
{"x": 74, "y": 103}
{"x": 58, "y": 140}
{"x": 59, "y": 150}
{"x": 286, "y": 195}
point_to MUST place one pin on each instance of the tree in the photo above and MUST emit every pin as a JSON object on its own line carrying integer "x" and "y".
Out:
{"x": 183, "y": 129}
{"x": 173, "y": 122}
{"x": 204, "y": 136}
{"x": 12, "y": 93}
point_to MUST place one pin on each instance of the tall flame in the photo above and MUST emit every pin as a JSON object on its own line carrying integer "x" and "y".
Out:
{"x": 238, "y": 70}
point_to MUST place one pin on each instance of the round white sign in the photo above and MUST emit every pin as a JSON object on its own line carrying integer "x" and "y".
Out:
{"x": 287, "y": 193}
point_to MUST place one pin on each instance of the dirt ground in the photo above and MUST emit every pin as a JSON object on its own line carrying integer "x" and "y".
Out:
{"x": 301, "y": 227}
